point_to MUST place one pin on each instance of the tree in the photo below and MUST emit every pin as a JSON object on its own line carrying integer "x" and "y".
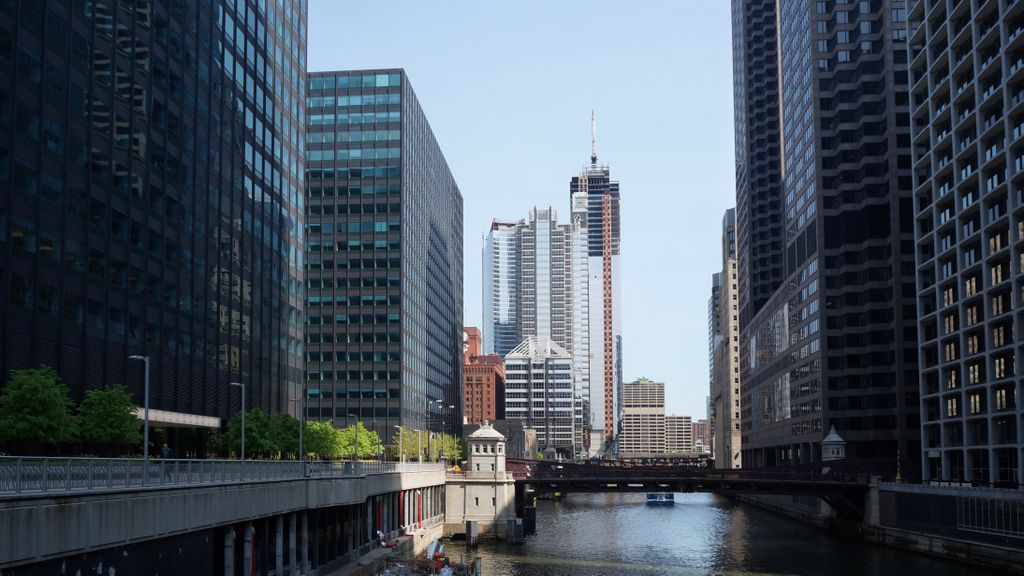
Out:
{"x": 258, "y": 441}
{"x": 406, "y": 444}
{"x": 538, "y": 456}
{"x": 368, "y": 441}
{"x": 35, "y": 410}
{"x": 284, "y": 434}
{"x": 107, "y": 419}
{"x": 322, "y": 440}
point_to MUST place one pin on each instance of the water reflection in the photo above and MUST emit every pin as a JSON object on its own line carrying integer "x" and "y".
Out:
{"x": 611, "y": 534}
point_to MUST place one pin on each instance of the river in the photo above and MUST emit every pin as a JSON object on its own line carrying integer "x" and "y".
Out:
{"x": 618, "y": 534}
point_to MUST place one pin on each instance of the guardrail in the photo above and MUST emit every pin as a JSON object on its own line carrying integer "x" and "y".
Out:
{"x": 31, "y": 476}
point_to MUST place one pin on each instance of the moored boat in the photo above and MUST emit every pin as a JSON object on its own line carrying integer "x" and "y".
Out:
{"x": 661, "y": 498}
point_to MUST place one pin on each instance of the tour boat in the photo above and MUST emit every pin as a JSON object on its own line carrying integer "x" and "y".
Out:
{"x": 661, "y": 499}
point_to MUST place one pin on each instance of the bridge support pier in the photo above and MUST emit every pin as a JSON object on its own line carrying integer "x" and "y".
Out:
{"x": 872, "y": 516}
{"x": 530, "y": 518}
{"x": 304, "y": 551}
{"x": 279, "y": 544}
{"x": 248, "y": 552}
{"x": 229, "y": 552}
{"x": 293, "y": 559}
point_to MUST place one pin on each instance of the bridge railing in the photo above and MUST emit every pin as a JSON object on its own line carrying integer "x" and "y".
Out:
{"x": 38, "y": 475}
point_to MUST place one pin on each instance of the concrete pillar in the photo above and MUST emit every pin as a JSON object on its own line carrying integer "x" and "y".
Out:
{"x": 530, "y": 519}
{"x": 249, "y": 552}
{"x": 293, "y": 560}
{"x": 229, "y": 552}
{"x": 279, "y": 544}
{"x": 872, "y": 515}
{"x": 304, "y": 550}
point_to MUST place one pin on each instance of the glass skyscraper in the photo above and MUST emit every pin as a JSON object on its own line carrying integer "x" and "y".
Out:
{"x": 151, "y": 194}
{"x": 383, "y": 258}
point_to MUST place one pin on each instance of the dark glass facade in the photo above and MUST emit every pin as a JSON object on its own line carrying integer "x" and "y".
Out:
{"x": 151, "y": 195}
{"x": 836, "y": 342}
{"x": 383, "y": 258}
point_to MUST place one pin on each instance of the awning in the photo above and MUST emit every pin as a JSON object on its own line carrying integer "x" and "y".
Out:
{"x": 178, "y": 419}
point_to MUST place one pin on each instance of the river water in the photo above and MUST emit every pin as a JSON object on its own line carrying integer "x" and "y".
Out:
{"x": 613, "y": 534}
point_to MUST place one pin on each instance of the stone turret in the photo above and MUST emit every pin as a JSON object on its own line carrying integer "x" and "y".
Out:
{"x": 486, "y": 457}
{"x": 833, "y": 447}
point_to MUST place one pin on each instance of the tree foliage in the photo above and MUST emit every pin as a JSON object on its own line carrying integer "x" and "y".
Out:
{"x": 368, "y": 441}
{"x": 322, "y": 440}
{"x": 107, "y": 419}
{"x": 284, "y": 434}
{"x": 258, "y": 440}
{"x": 406, "y": 444}
{"x": 36, "y": 410}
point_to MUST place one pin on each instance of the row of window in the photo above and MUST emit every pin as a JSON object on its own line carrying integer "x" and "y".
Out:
{"x": 328, "y": 82}
{"x": 350, "y": 375}
{"x": 352, "y": 245}
{"x": 353, "y": 338}
{"x": 354, "y": 393}
{"x": 353, "y": 118}
{"x": 331, "y": 155}
{"x": 352, "y": 136}
{"x": 355, "y": 319}
{"x": 353, "y": 100}
{"x": 332, "y": 356}
{"x": 364, "y": 300}
{"x": 355, "y": 264}
{"x": 361, "y": 282}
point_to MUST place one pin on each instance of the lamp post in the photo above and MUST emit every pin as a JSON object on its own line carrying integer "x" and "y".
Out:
{"x": 401, "y": 452}
{"x": 375, "y": 431}
{"x": 419, "y": 446}
{"x": 302, "y": 420}
{"x": 242, "y": 386}
{"x": 145, "y": 419}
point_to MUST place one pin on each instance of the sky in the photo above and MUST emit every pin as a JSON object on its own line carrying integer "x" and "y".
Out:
{"x": 508, "y": 87}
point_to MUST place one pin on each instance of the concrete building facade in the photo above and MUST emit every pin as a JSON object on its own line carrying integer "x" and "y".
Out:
{"x": 968, "y": 136}
{"x": 643, "y": 418}
{"x": 725, "y": 393}
{"x": 679, "y": 435}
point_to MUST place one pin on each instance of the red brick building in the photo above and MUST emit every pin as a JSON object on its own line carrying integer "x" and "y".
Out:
{"x": 483, "y": 381}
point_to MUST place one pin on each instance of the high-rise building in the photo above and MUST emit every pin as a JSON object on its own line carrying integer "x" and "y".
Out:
{"x": 594, "y": 198}
{"x": 968, "y": 132}
{"x": 533, "y": 271}
{"x": 151, "y": 187}
{"x": 383, "y": 258}
{"x": 834, "y": 343}
{"x": 483, "y": 389}
{"x": 539, "y": 391}
{"x": 715, "y": 338}
{"x": 643, "y": 418}
{"x": 725, "y": 392}
{"x": 679, "y": 435}
{"x": 501, "y": 285}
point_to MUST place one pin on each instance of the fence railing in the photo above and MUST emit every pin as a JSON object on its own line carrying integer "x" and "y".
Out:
{"x": 29, "y": 475}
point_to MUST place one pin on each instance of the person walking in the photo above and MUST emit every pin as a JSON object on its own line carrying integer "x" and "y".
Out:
{"x": 165, "y": 454}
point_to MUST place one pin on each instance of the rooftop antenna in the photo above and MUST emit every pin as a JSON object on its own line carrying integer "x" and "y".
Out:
{"x": 593, "y": 138}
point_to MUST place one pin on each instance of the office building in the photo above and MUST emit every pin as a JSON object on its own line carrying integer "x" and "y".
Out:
{"x": 834, "y": 342}
{"x": 539, "y": 391}
{"x": 152, "y": 181}
{"x": 520, "y": 439}
{"x": 594, "y": 199}
{"x": 725, "y": 391}
{"x": 643, "y": 418}
{"x": 383, "y": 258}
{"x": 535, "y": 284}
{"x": 680, "y": 435}
{"x": 715, "y": 337}
{"x": 968, "y": 132}
{"x": 702, "y": 434}
{"x": 483, "y": 389}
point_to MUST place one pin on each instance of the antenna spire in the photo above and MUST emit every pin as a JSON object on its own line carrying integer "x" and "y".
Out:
{"x": 593, "y": 138}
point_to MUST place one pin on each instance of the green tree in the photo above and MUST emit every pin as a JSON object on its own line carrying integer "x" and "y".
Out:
{"x": 538, "y": 456}
{"x": 258, "y": 442}
{"x": 368, "y": 441}
{"x": 35, "y": 411}
{"x": 405, "y": 443}
{"x": 322, "y": 440}
{"x": 107, "y": 420}
{"x": 284, "y": 434}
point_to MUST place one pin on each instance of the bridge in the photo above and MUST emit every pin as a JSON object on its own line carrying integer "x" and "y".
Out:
{"x": 207, "y": 516}
{"x": 845, "y": 491}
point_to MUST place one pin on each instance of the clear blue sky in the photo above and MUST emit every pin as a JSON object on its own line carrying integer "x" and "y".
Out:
{"x": 508, "y": 87}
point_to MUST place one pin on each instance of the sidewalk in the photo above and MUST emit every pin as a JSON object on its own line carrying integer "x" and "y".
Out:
{"x": 375, "y": 560}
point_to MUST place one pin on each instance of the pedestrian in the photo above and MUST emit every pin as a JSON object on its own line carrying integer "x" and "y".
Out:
{"x": 165, "y": 454}
{"x": 380, "y": 538}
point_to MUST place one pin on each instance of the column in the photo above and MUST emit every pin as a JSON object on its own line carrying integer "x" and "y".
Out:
{"x": 248, "y": 552}
{"x": 304, "y": 551}
{"x": 293, "y": 560}
{"x": 279, "y": 544}
{"x": 229, "y": 551}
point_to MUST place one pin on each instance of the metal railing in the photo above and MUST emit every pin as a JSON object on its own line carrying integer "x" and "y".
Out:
{"x": 31, "y": 475}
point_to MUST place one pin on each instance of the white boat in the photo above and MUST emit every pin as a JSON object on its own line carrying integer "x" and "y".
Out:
{"x": 661, "y": 498}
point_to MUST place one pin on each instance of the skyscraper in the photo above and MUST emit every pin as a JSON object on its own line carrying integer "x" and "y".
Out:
{"x": 594, "y": 198}
{"x": 680, "y": 434}
{"x": 152, "y": 187}
{"x": 968, "y": 135}
{"x": 383, "y": 258}
{"x": 501, "y": 285}
{"x": 539, "y": 391}
{"x": 725, "y": 391}
{"x": 835, "y": 342}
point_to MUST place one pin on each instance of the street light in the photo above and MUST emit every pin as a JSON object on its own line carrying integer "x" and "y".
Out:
{"x": 302, "y": 419}
{"x": 242, "y": 386}
{"x": 377, "y": 432}
{"x": 419, "y": 446}
{"x": 145, "y": 415}
{"x": 401, "y": 452}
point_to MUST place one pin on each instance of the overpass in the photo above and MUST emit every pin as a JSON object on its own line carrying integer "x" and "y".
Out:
{"x": 205, "y": 516}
